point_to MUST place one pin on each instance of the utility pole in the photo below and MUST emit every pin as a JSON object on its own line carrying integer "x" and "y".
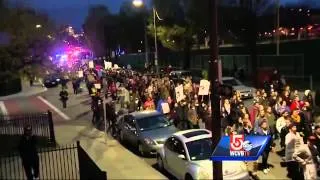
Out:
{"x": 278, "y": 26}
{"x": 215, "y": 78}
{"x": 146, "y": 44}
{"x": 155, "y": 40}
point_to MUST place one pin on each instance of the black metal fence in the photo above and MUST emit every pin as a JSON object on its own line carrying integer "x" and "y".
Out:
{"x": 66, "y": 162}
{"x": 11, "y": 127}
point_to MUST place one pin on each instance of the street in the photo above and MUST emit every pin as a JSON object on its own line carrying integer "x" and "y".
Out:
{"x": 78, "y": 113}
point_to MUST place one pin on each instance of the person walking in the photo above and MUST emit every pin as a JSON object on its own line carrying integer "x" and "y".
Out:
{"x": 96, "y": 108}
{"x": 28, "y": 154}
{"x": 293, "y": 140}
{"x": 75, "y": 86}
{"x": 304, "y": 157}
{"x": 264, "y": 130}
{"x": 64, "y": 97}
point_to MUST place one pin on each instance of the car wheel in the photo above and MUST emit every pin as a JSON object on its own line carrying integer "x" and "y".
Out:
{"x": 140, "y": 149}
{"x": 188, "y": 177}
{"x": 160, "y": 162}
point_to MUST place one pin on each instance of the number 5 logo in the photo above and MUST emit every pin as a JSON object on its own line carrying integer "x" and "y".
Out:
{"x": 236, "y": 142}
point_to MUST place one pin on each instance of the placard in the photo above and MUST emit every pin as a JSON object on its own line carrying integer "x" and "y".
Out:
{"x": 97, "y": 86}
{"x": 107, "y": 65}
{"x": 165, "y": 108}
{"x": 91, "y": 64}
{"x": 179, "y": 93}
{"x": 116, "y": 66}
{"x": 80, "y": 74}
{"x": 204, "y": 88}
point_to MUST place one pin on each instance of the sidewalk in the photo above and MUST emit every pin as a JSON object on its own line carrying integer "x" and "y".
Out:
{"x": 27, "y": 90}
{"x": 109, "y": 154}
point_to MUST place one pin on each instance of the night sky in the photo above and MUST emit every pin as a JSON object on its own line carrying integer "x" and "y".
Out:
{"x": 73, "y": 12}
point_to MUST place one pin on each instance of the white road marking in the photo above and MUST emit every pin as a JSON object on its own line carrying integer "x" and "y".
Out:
{"x": 63, "y": 115}
{"x": 3, "y": 108}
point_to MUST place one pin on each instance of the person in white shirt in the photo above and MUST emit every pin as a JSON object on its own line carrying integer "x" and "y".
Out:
{"x": 281, "y": 121}
{"x": 304, "y": 157}
{"x": 293, "y": 141}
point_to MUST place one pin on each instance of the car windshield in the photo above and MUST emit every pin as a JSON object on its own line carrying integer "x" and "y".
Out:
{"x": 153, "y": 122}
{"x": 200, "y": 150}
{"x": 231, "y": 82}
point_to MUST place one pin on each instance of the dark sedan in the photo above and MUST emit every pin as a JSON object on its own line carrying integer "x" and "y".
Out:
{"x": 52, "y": 81}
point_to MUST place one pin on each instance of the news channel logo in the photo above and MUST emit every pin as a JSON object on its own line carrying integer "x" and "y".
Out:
{"x": 240, "y": 148}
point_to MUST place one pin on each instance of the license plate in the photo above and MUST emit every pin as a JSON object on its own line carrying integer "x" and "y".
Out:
{"x": 246, "y": 95}
{"x": 53, "y": 83}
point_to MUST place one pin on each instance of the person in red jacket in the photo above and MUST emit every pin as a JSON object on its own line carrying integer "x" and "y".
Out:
{"x": 253, "y": 111}
{"x": 149, "y": 104}
{"x": 295, "y": 103}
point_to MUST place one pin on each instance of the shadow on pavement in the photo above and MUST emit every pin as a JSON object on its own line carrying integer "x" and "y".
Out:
{"x": 165, "y": 173}
{"x": 82, "y": 114}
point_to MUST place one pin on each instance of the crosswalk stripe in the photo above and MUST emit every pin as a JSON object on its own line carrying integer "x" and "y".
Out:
{"x": 63, "y": 115}
{"x": 3, "y": 108}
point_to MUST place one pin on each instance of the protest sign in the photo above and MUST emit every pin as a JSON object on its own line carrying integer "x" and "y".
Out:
{"x": 204, "y": 88}
{"x": 80, "y": 74}
{"x": 97, "y": 86}
{"x": 91, "y": 64}
{"x": 179, "y": 93}
{"x": 165, "y": 108}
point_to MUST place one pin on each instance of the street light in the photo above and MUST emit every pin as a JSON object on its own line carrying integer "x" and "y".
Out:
{"x": 38, "y": 26}
{"x": 138, "y": 4}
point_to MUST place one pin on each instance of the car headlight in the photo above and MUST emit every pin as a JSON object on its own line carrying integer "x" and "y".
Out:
{"x": 58, "y": 80}
{"x": 149, "y": 141}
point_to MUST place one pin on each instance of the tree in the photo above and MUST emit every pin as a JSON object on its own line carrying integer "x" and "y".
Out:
{"x": 26, "y": 41}
{"x": 94, "y": 28}
{"x": 177, "y": 31}
{"x": 132, "y": 22}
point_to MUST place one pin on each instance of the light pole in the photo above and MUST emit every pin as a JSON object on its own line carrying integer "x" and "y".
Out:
{"x": 215, "y": 78}
{"x": 140, "y": 3}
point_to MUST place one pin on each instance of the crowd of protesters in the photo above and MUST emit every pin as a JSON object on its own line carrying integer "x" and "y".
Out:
{"x": 277, "y": 110}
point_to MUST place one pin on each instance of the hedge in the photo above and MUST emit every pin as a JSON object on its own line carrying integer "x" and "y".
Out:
{"x": 10, "y": 86}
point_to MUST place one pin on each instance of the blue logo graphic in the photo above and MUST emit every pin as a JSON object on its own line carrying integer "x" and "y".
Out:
{"x": 240, "y": 148}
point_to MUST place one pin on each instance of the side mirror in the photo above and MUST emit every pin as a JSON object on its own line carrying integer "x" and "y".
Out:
{"x": 181, "y": 156}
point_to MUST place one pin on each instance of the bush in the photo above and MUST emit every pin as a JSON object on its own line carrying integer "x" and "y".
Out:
{"x": 9, "y": 84}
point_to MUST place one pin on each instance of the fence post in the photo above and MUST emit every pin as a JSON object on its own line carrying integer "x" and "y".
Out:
{"x": 311, "y": 83}
{"x": 51, "y": 129}
{"x": 104, "y": 175}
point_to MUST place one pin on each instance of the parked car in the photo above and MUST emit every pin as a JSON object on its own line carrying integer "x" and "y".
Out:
{"x": 52, "y": 81}
{"x": 245, "y": 91}
{"x": 186, "y": 155}
{"x": 146, "y": 130}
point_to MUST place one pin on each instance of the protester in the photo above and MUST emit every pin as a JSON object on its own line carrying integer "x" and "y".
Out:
{"x": 264, "y": 130}
{"x": 304, "y": 157}
{"x": 28, "y": 154}
{"x": 293, "y": 141}
{"x": 275, "y": 110}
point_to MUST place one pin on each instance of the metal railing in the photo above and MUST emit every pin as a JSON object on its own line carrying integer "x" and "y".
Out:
{"x": 11, "y": 128}
{"x": 65, "y": 162}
